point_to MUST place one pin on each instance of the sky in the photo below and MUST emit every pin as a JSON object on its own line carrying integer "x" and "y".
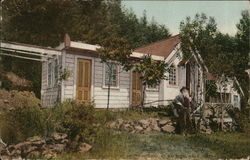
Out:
{"x": 170, "y": 13}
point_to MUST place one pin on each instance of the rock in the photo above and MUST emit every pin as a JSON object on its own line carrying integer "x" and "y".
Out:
{"x": 3, "y": 148}
{"x": 144, "y": 122}
{"x": 138, "y": 129}
{"x": 164, "y": 122}
{"x": 6, "y": 101}
{"x": 59, "y": 136}
{"x": 34, "y": 139}
{"x": 154, "y": 126}
{"x": 56, "y": 148}
{"x": 119, "y": 123}
{"x": 84, "y": 147}
{"x": 64, "y": 141}
{"x": 111, "y": 125}
{"x": 168, "y": 129}
{"x": 126, "y": 127}
{"x": 37, "y": 141}
{"x": 28, "y": 149}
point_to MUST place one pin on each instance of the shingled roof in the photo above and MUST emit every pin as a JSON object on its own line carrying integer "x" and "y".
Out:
{"x": 160, "y": 48}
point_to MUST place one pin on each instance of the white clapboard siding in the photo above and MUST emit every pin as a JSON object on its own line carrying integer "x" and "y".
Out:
{"x": 152, "y": 95}
{"x": 119, "y": 97}
{"x": 49, "y": 95}
{"x": 68, "y": 90}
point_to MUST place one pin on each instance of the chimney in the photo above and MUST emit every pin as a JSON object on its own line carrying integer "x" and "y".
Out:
{"x": 67, "y": 40}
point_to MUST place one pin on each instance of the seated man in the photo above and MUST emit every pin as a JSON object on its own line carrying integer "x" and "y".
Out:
{"x": 182, "y": 104}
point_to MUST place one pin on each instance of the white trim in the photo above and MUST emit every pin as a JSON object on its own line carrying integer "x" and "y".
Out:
{"x": 104, "y": 74}
{"x": 237, "y": 82}
{"x": 174, "y": 51}
{"x": 30, "y": 48}
{"x": 63, "y": 67}
{"x": 139, "y": 55}
{"x": 156, "y": 89}
{"x": 84, "y": 46}
{"x": 51, "y": 74}
{"x": 92, "y": 75}
{"x": 176, "y": 76}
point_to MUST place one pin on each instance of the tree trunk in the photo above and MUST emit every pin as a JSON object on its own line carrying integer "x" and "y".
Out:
{"x": 143, "y": 97}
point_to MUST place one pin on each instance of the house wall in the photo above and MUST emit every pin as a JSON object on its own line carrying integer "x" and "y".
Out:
{"x": 49, "y": 94}
{"x": 171, "y": 91}
{"x": 119, "y": 96}
{"x": 230, "y": 89}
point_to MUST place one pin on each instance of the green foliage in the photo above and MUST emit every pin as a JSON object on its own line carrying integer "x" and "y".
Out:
{"x": 64, "y": 75}
{"x": 87, "y": 21}
{"x": 117, "y": 50}
{"x": 137, "y": 32}
{"x": 197, "y": 35}
{"x": 223, "y": 54}
{"x": 243, "y": 47}
{"x": 211, "y": 89}
{"x": 200, "y": 36}
{"x": 76, "y": 120}
{"x": 152, "y": 72}
{"x": 242, "y": 119}
{"x": 22, "y": 122}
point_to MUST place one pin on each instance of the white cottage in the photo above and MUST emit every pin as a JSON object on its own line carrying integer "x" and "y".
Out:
{"x": 87, "y": 80}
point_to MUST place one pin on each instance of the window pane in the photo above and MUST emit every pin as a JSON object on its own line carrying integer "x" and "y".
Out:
{"x": 111, "y": 72}
{"x": 172, "y": 75}
{"x": 49, "y": 74}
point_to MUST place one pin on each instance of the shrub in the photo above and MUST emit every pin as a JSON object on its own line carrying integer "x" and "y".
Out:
{"x": 22, "y": 122}
{"x": 75, "y": 120}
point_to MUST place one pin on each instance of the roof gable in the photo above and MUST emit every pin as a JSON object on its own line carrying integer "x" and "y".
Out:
{"x": 160, "y": 48}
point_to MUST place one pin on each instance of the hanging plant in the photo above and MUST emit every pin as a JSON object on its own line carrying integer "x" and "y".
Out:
{"x": 64, "y": 74}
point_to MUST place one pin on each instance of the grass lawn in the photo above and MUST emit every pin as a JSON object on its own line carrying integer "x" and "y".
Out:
{"x": 120, "y": 145}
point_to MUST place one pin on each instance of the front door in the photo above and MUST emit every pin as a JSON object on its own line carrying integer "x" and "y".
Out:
{"x": 83, "y": 89}
{"x": 136, "y": 89}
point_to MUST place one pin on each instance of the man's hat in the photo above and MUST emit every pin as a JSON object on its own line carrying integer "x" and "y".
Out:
{"x": 183, "y": 88}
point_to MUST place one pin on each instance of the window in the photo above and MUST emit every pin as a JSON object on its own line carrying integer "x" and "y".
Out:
{"x": 56, "y": 72}
{"x": 111, "y": 74}
{"x": 50, "y": 74}
{"x": 172, "y": 75}
{"x": 152, "y": 87}
{"x": 236, "y": 101}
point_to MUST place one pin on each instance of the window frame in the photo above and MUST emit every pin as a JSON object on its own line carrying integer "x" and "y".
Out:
{"x": 49, "y": 74}
{"x": 238, "y": 101}
{"x": 53, "y": 79}
{"x": 104, "y": 85}
{"x": 155, "y": 88}
{"x": 176, "y": 76}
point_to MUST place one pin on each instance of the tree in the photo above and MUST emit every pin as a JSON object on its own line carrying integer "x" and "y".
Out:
{"x": 45, "y": 22}
{"x": 114, "y": 51}
{"x": 243, "y": 47}
{"x": 152, "y": 72}
{"x": 137, "y": 31}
